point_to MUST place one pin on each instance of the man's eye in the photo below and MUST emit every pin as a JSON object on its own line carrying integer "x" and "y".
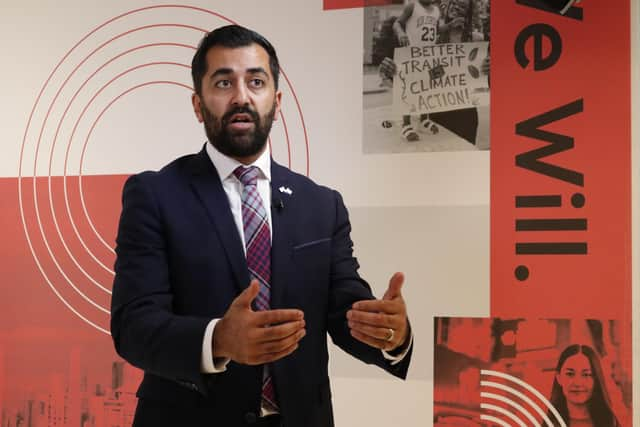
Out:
{"x": 257, "y": 82}
{"x": 222, "y": 84}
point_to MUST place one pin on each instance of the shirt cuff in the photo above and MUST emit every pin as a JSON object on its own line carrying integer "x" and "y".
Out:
{"x": 207, "y": 364}
{"x": 397, "y": 358}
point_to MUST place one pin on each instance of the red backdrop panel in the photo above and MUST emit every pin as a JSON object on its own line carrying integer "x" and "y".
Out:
{"x": 592, "y": 76}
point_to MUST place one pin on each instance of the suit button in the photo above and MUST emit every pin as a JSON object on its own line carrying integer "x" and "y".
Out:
{"x": 250, "y": 418}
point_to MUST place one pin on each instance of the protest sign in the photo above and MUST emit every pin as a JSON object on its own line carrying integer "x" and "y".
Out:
{"x": 440, "y": 77}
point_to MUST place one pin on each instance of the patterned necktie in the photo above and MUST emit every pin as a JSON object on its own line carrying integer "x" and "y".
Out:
{"x": 258, "y": 244}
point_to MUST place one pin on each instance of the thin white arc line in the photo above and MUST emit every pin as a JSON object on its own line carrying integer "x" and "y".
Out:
{"x": 510, "y": 402}
{"x": 64, "y": 243}
{"x": 495, "y": 420}
{"x": 88, "y": 217}
{"x": 503, "y": 412}
{"x": 521, "y": 396}
{"x": 46, "y": 278}
{"x": 528, "y": 387}
{"x": 53, "y": 258}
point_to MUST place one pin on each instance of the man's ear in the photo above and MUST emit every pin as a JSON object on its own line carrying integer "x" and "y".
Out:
{"x": 278, "y": 102}
{"x": 197, "y": 108}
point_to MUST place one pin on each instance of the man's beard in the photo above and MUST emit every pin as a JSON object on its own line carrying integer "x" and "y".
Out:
{"x": 245, "y": 144}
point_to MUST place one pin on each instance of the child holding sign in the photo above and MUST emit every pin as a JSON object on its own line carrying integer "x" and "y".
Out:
{"x": 420, "y": 24}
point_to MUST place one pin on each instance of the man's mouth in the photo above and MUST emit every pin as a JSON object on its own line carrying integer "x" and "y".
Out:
{"x": 241, "y": 118}
{"x": 240, "y": 122}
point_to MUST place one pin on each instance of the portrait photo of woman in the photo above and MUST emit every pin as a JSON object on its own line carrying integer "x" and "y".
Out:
{"x": 579, "y": 392}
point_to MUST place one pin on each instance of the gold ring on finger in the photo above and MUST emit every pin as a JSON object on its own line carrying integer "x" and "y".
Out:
{"x": 390, "y": 336}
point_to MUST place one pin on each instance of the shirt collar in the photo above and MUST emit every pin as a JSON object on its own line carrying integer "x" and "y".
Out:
{"x": 225, "y": 165}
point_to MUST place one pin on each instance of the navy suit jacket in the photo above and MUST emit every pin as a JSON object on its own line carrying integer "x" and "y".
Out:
{"x": 180, "y": 263}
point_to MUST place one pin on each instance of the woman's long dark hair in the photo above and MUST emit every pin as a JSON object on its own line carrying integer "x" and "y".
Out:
{"x": 598, "y": 405}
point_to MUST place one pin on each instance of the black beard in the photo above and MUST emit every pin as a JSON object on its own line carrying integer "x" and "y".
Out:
{"x": 237, "y": 146}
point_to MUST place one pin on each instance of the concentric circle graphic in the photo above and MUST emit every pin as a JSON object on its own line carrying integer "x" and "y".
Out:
{"x": 69, "y": 179}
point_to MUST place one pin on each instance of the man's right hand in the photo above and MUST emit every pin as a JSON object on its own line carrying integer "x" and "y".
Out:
{"x": 256, "y": 337}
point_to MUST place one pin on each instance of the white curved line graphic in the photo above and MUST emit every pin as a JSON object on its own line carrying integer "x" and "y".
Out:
{"x": 35, "y": 258}
{"x": 53, "y": 258}
{"x": 495, "y": 420}
{"x": 513, "y": 404}
{"x": 503, "y": 412}
{"x": 521, "y": 396}
{"x": 528, "y": 388}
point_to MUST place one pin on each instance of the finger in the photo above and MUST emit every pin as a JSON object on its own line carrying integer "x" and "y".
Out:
{"x": 378, "y": 306}
{"x": 248, "y": 295}
{"x": 378, "y": 320}
{"x": 395, "y": 286}
{"x": 279, "y": 332}
{"x": 275, "y": 317}
{"x": 273, "y": 347}
{"x": 272, "y": 357}
{"x": 370, "y": 331}
{"x": 373, "y": 342}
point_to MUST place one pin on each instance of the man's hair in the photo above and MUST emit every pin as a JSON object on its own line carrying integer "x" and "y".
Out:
{"x": 230, "y": 36}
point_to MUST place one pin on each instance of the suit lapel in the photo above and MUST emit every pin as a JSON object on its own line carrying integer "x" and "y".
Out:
{"x": 281, "y": 222}
{"x": 207, "y": 186}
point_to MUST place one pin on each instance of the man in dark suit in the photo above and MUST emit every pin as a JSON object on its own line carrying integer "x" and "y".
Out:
{"x": 231, "y": 269}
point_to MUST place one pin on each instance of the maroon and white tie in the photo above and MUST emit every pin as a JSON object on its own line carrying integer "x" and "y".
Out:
{"x": 257, "y": 239}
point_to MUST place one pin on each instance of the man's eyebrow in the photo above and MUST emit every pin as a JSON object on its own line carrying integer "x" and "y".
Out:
{"x": 221, "y": 72}
{"x": 257, "y": 70}
{"x": 225, "y": 71}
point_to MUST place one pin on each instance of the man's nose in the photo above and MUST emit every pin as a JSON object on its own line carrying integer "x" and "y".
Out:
{"x": 240, "y": 95}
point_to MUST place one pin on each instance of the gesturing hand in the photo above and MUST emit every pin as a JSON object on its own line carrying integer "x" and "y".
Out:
{"x": 256, "y": 337}
{"x": 381, "y": 323}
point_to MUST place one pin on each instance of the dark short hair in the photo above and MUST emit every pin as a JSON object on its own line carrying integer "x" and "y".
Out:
{"x": 230, "y": 36}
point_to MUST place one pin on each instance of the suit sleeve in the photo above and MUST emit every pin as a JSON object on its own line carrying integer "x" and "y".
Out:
{"x": 347, "y": 287}
{"x": 145, "y": 330}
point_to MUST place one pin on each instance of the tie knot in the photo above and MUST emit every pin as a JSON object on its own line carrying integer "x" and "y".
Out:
{"x": 247, "y": 176}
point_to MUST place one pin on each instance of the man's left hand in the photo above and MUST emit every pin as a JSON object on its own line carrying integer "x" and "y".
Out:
{"x": 381, "y": 323}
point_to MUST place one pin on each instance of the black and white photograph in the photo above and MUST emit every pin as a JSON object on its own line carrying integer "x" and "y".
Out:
{"x": 426, "y": 74}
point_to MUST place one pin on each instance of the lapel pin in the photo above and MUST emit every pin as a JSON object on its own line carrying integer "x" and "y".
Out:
{"x": 284, "y": 189}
